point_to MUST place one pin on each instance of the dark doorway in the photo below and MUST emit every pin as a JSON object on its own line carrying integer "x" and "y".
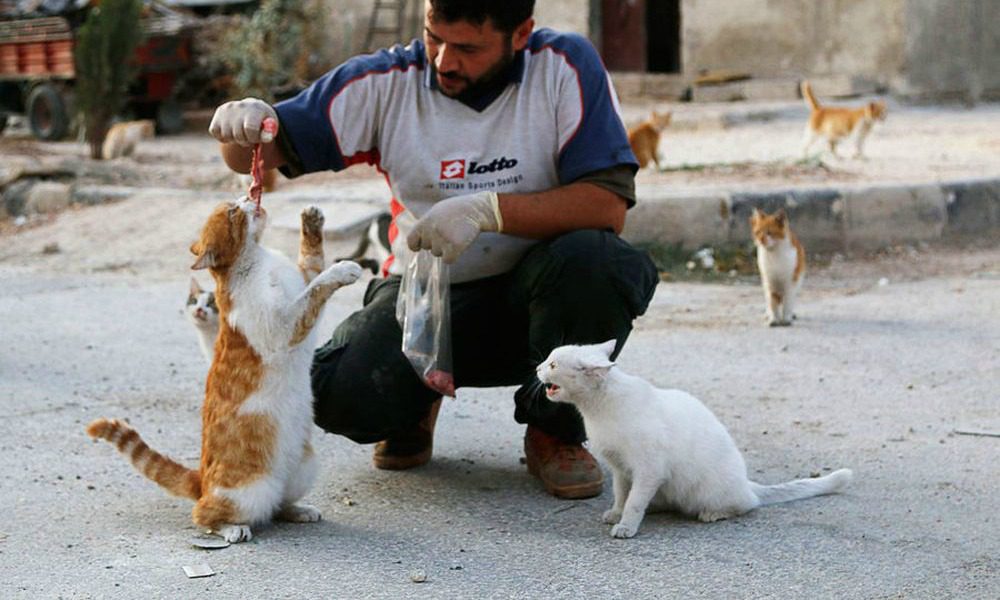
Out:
{"x": 641, "y": 35}
{"x": 663, "y": 36}
{"x": 623, "y": 34}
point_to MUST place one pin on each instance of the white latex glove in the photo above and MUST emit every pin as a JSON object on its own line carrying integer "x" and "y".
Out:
{"x": 240, "y": 121}
{"x": 451, "y": 225}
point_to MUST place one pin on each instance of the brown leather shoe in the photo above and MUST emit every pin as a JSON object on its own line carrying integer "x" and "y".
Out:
{"x": 410, "y": 448}
{"x": 566, "y": 470}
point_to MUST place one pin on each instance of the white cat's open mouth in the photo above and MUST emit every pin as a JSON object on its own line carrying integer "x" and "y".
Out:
{"x": 551, "y": 389}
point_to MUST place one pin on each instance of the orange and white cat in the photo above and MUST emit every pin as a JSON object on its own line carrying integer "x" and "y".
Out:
{"x": 838, "y": 123}
{"x": 123, "y": 137}
{"x": 256, "y": 458}
{"x": 781, "y": 260}
{"x": 645, "y": 138}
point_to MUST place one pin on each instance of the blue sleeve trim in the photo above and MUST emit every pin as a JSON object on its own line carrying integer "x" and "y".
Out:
{"x": 305, "y": 118}
{"x": 600, "y": 141}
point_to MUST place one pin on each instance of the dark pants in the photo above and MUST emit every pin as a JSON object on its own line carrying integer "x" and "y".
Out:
{"x": 581, "y": 288}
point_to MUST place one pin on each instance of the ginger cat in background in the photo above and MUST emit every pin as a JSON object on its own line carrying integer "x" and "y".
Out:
{"x": 256, "y": 458}
{"x": 781, "y": 260}
{"x": 837, "y": 123}
{"x": 123, "y": 137}
{"x": 645, "y": 138}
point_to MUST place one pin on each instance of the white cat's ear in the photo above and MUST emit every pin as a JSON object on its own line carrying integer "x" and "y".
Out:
{"x": 195, "y": 288}
{"x": 600, "y": 363}
{"x": 599, "y": 369}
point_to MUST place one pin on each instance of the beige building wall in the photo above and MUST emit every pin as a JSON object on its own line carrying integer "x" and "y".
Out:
{"x": 952, "y": 49}
{"x": 345, "y": 22}
{"x": 563, "y": 15}
{"x": 773, "y": 38}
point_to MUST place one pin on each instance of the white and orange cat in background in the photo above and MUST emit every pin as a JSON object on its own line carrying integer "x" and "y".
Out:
{"x": 123, "y": 137}
{"x": 203, "y": 313}
{"x": 645, "y": 138}
{"x": 781, "y": 260}
{"x": 257, "y": 461}
{"x": 838, "y": 123}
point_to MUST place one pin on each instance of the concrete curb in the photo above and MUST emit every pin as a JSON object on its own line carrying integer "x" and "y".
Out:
{"x": 825, "y": 219}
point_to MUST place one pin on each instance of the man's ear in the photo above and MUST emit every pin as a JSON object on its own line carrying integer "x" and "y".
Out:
{"x": 519, "y": 39}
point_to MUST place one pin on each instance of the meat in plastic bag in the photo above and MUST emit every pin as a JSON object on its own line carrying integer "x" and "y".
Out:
{"x": 423, "y": 310}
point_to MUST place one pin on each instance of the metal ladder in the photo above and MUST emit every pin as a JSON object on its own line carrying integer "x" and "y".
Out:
{"x": 387, "y": 24}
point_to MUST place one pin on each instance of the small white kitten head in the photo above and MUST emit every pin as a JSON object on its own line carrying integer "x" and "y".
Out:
{"x": 201, "y": 309}
{"x": 571, "y": 371}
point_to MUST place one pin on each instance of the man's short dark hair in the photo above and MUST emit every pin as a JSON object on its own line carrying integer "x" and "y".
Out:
{"x": 505, "y": 15}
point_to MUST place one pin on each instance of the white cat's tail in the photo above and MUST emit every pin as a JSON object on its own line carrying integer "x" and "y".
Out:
{"x": 802, "y": 488}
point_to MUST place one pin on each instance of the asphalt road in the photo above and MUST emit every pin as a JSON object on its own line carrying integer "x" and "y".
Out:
{"x": 875, "y": 378}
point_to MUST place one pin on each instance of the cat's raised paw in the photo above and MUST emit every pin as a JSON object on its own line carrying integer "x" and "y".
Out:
{"x": 623, "y": 531}
{"x": 611, "y": 516}
{"x": 312, "y": 220}
{"x": 300, "y": 513}
{"x": 345, "y": 272}
{"x": 235, "y": 533}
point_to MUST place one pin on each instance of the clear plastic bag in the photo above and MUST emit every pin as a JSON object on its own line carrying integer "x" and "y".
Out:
{"x": 423, "y": 310}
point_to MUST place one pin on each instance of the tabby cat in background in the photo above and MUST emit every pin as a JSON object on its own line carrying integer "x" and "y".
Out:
{"x": 123, "y": 137}
{"x": 645, "y": 138}
{"x": 838, "y": 123}
{"x": 257, "y": 461}
{"x": 781, "y": 260}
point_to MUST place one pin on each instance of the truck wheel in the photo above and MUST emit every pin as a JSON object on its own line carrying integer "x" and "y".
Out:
{"x": 46, "y": 111}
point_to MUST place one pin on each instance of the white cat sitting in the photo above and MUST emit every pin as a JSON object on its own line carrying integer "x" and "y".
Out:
{"x": 665, "y": 449}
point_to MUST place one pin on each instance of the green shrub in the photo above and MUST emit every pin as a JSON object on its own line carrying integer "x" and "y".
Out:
{"x": 271, "y": 51}
{"x": 105, "y": 47}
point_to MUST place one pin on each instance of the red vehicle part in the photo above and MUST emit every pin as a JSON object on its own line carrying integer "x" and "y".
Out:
{"x": 37, "y": 70}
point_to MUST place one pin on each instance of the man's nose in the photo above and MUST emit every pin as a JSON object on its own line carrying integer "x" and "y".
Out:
{"x": 446, "y": 60}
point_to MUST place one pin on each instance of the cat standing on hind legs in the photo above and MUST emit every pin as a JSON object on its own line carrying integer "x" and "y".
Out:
{"x": 781, "y": 260}
{"x": 201, "y": 309}
{"x": 256, "y": 461}
{"x": 665, "y": 449}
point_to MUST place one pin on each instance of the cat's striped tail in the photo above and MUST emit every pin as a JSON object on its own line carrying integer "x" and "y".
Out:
{"x": 168, "y": 474}
{"x": 802, "y": 488}
{"x": 807, "y": 93}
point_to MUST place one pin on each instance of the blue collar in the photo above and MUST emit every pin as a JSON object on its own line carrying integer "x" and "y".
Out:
{"x": 515, "y": 74}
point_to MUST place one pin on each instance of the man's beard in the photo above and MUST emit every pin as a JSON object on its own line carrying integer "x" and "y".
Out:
{"x": 495, "y": 78}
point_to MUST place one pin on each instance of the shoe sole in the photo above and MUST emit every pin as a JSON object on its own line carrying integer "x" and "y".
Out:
{"x": 568, "y": 492}
{"x": 387, "y": 462}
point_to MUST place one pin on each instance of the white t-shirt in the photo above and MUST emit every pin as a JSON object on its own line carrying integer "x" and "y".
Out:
{"x": 556, "y": 121}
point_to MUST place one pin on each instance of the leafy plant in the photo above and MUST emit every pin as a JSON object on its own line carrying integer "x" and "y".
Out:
{"x": 105, "y": 46}
{"x": 271, "y": 52}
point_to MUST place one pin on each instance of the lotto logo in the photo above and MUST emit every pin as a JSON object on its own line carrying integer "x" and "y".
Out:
{"x": 452, "y": 169}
